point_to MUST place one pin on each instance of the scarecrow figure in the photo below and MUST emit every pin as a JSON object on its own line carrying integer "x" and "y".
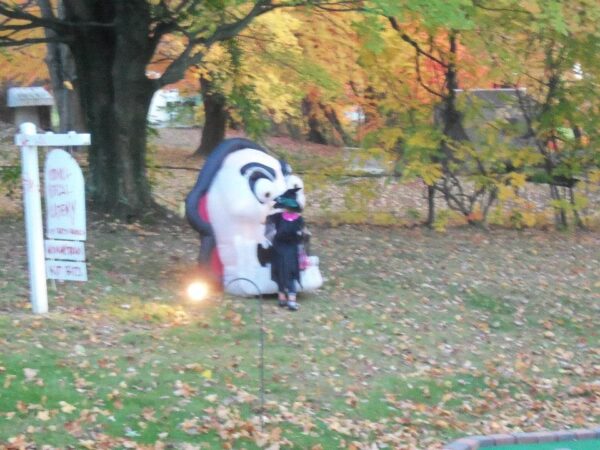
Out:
{"x": 229, "y": 205}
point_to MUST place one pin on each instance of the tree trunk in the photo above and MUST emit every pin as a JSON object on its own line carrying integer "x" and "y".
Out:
{"x": 578, "y": 220}
{"x": 63, "y": 77}
{"x": 333, "y": 119}
{"x": 215, "y": 118}
{"x": 430, "y": 206}
{"x": 451, "y": 116}
{"x": 560, "y": 215}
{"x": 66, "y": 89}
{"x": 315, "y": 131}
{"x": 116, "y": 96}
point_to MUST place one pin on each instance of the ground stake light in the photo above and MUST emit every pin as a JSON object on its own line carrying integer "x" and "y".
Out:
{"x": 197, "y": 291}
{"x": 261, "y": 345}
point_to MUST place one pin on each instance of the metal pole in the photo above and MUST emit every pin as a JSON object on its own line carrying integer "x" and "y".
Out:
{"x": 261, "y": 347}
{"x": 33, "y": 222}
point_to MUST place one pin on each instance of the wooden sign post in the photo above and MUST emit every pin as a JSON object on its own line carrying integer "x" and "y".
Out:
{"x": 29, "y": 140}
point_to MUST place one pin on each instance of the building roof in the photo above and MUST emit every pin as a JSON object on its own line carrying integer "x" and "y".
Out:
{"x": 500, "y": 107}
{"x": 29, "y": 96}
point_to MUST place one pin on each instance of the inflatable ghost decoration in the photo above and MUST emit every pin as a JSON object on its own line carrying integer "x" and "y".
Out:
{"x": 228, "y": 206}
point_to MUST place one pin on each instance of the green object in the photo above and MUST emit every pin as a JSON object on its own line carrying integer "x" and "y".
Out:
{"x": 287, "y": 202}
{"x": 591, "y": 444}
{"x": 566, "y": 133}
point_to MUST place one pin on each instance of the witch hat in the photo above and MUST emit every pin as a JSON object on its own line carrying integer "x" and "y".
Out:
{"x": 288, "y": 201}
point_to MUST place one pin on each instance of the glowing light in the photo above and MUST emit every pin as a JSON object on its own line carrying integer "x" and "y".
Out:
{"x": 197, "y": 291}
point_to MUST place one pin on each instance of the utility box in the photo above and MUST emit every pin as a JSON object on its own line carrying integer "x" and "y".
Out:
{"x": 31, "y": 104}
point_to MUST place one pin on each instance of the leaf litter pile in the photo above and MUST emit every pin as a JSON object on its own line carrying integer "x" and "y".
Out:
{"x": 415, "y": 339}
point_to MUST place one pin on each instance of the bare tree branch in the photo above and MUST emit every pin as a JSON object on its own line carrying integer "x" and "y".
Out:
{"x": 6, "y": 42}
{"x": 188, "y": 58}
{"x": 420, "y": 79}
{"x": 160, "y": 30}
{"x": 230, "y": 30}
{"x": 19, "y": 13}
{"x": 479, "y": 4}
{"x": 406, "y": 38}
{"x": 341, "y": 6}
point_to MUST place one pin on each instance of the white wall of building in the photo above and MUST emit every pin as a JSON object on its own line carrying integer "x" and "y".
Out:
{"x": 158, "y": 114}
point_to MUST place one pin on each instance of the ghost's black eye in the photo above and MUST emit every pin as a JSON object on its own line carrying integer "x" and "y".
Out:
{"x": 260, "y": 180}
{"x": 263, "y": 189}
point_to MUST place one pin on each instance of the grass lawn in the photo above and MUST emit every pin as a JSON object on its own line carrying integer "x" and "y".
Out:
{"x": 416, "y": 338}
{"x": 574, "y": 445}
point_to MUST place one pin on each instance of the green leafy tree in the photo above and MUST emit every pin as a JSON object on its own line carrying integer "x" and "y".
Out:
{"x": 288, "y": 67}
{"x": 547, "y": 54}
{"x": 446, "y": 136}
{"x": 251, "y": 80}
{"x": 433, "y": 143}
{"x": 113, "y": 43}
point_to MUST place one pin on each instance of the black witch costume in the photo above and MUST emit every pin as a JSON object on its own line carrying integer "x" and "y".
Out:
{"x": 289, "y": 226}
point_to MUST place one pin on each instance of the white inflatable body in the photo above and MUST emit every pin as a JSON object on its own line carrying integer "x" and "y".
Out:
{"x": 234, "y": 198}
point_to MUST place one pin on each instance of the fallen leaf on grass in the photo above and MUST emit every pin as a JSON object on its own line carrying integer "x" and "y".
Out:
{"x": 30, "y": 374}
{"x": 194, "y": 367}
{"x": 211, "y": 398}
{"x": 183, "y": 389}
{"x": 74, "y": 428}
{"x": 18, "y": 442}
{"x": 190, "y": 426}
{"x": 87, "y": 443}
{"x": 8, "y": 380}
{"x": 148, "y": 414}
{"x": 66, "y": 407}
{"x": 43, "y": 415}
{"x": 351, "y": 399}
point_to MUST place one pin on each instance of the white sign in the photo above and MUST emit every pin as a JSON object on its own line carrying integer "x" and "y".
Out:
{"x": 50, "y": 139}
{"x": 65, "y": 250}
{"x": 66, "y": 270}
{"x": 65, "y": 197}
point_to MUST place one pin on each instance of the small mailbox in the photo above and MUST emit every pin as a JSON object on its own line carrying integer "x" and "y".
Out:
{"x": 31, "y": 104}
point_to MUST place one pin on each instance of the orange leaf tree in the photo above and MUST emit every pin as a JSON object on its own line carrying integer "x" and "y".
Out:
{"x": 113, "y": 42}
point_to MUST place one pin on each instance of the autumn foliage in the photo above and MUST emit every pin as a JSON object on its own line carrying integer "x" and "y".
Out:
{"x": 392, "y": 79}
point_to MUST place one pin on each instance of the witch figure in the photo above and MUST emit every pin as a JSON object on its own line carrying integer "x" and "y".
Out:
{"x": 287, "y": 242}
